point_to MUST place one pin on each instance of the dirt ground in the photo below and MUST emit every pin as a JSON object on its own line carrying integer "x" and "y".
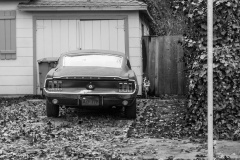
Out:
{"x": 26, "y": 133}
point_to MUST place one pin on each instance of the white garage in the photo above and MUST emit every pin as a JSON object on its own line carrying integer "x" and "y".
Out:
{"x": 47, "y": 28}
{"x": 54, "y": 37}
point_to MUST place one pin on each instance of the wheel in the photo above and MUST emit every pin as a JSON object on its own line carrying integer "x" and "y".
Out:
{"x": 52, "y": 110}
{"x": 130, "y": 111}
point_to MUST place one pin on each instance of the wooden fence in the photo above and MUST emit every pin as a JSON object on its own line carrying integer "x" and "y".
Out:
{"x": 162, "y": 65}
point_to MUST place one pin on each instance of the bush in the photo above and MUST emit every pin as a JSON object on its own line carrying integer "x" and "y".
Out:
{"x": 226, "y": 75}
{"x": 226, "y": 66}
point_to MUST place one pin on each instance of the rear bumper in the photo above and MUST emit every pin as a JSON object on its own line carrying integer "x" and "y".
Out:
{"x": 105, "y": 99}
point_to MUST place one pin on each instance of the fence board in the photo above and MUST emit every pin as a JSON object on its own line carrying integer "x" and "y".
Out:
{"x": 156, "y": 66}
{"x": 167, "y": 65}
{"x": 145, "y": 50}
{"x": 173, "y": 66}
{"x": 161, "y": 64}
{"x": 161, "y": 81}
{"x": 151, "y": 67}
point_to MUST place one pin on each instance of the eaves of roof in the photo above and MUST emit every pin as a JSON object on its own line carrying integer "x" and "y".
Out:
{"x": 81, "y": 5}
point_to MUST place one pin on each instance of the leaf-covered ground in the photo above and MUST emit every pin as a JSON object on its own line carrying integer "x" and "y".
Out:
{"x": 26, "y": 132}
{"x": 160, "y": 118}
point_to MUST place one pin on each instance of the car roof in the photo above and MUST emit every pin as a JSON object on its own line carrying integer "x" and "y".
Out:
{"x": 91, "y": 51}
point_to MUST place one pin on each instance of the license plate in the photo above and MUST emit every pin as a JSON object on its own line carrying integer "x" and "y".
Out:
{"x": 90, "y": 101}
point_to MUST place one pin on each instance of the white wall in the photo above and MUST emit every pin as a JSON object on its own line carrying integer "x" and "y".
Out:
{"x": 16, "y": 76}
{"x": 135, "y": 46}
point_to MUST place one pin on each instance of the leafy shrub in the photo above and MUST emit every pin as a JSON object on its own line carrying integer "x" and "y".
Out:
{"x": 226, "y": 75}
{"x": 226, "y": 65}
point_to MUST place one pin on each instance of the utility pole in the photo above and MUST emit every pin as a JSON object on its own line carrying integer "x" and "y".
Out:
{"x": 210, "y": 77}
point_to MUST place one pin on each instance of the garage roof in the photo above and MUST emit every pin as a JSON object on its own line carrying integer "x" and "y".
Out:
{"x": 33, "y": 5}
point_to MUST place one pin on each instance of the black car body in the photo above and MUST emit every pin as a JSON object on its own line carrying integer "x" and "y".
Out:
{"x": 91, "y": 79}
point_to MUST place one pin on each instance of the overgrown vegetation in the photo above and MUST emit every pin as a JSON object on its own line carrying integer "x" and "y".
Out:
{"x": 193, "y": 25}
{"x": 165, "y": 22}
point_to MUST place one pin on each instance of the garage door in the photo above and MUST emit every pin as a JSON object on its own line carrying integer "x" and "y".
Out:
{"x": 54, "y": 37}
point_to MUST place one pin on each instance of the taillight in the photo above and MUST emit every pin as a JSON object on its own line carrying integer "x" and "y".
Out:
{"x": 60, "y": 85}
{"x": 126, "y": 87}
{"x": 50, "y": 84}
{"x": 120, "y": 87}
{"x": 130, "y": 87}
{"x": 54, "y": 85}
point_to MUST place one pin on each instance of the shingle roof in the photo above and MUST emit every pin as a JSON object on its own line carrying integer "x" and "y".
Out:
{"x": 134, "y": 4}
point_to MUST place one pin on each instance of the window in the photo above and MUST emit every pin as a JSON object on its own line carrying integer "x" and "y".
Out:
{"x": 7, "y": 35}
{"x": 93, "y": 60}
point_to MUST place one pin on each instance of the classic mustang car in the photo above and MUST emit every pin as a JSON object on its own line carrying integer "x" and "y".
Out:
{"x": 91, "y": 79}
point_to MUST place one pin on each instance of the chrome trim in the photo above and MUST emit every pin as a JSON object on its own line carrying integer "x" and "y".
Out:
{"x": 79, "y": 93}
{"x": 89, "y": 76}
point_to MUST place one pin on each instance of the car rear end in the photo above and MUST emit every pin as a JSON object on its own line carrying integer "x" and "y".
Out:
{"x": 91, "y": 79}
{"x": 90, "y": 92}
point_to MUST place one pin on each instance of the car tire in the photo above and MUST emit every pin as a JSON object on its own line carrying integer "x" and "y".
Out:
{"x": 130, "y": 111}
{"x": 52, "y": 109}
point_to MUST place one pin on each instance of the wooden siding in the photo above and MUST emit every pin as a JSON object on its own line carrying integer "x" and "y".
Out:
{"x": 24, "y": 42}
{"x": 15, "y": 90}
{"x": 163, "y": 66}
{"x": 135, "y": 51}
{"x": 17, "y": 80}
{"x": 7, "y": 35}
{"x": 14, "y": 74}
{"x": 16, "y": 71}
{"x": 20, "y": 62}
{"x": 24, "y": 52}
{"x": 24, "y": 32}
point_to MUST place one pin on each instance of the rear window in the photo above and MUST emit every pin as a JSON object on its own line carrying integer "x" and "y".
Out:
{"x": 93, "y": 60}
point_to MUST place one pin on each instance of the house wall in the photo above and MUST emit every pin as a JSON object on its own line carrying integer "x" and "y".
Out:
{"x": 135, "y": 46}
{"x": 17, "y": 76}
